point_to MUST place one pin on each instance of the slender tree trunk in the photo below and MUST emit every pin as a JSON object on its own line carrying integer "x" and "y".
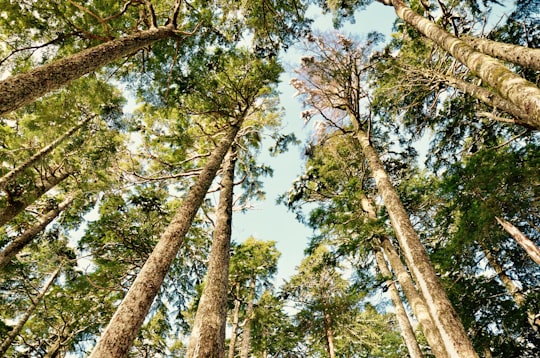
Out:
{"x": 532, "y": 250}
{"x": 13, "y": 208}
{"x": 235, "y": 323}
{"x": 246, "y": 333}
{"x": 128, "y": 318}
{"x": 519, "y": 55}
{"x": 516, "y": 89}
{"x": 207, "y": 338}
{"x": 401, "y": 315}
{"x": 431, "y": 332}
{"x": 6, "y": 179}
{"x": 15, "y": 246}
{"x": 21, "y": 89}
{"x": 8, "y": 341}
{"x": 329, "y": 333}
{"x": 455, "y": 339}
{"x": 415, "y": 301}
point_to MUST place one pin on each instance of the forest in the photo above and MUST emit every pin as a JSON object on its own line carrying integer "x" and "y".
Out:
{"x": 131, "y": 136}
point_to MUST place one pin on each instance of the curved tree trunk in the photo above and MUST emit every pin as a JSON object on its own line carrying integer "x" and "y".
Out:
{"x": 401, "y": 315}
{"x": 128, "y": 318}
{"x": 528, "y": 245}
{"x": 246, "y": 333}
{"x": 329, "y": 335}
{"x": 15, "y": 246}
{"x": 444, "y": 316}
{"x": 13, "y": 208}
{"x": 519, "y": 55}
{"x": 516, "y": 89}
{"x": 207, "y": 338}
{"x": 8, "y": 341}
{"x": 21, "y": 89}
{"x": 4, "y": 181}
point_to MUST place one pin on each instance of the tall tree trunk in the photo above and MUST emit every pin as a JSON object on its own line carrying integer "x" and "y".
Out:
{"x": 128, "y": 318}
{"x": 454, "y": 337}
{"x": 21, "y": 89}
{"x": 246, "y": 333}
{"x": 8, "y": 341}
{"x": 15, "y": 246}
{"x": 401, "y": 315}
{"x": 207, "y": 338}
{"x": 520, "y": 55}
{"x": 235, "y": 323}
{"x": 431, "y": 332}
{"x": 516, "y": 89}
{"x": 13, "y": 208}
{"x": 329, "y": 335}
{"x": 4, "y": 181}
{"x": 532, "y": 250}
{"x": 415, "y": 301}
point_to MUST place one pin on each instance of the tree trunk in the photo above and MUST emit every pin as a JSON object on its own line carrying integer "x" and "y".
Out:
{"x": 235, "y": 324}
{"x": 15, "y": 246}
{"x": 21, "y": 89}
{"x": 532, "y": 250}
{"x": 516, "y": 89}
{"x": 329, "y": 333}
{"x": 401, "y": 315}
{"x": 421, "y": 312}
{"x": 128, "y": 318}
{"x": 5, "y": 180}
{"x": 246, "y": 333}
{"x": 519, "y": 55}
{"x": 207, "y": 338}
{"x": 415, "y": 301}
{"x": 8, "y": 341}
{"x": 455, "y": 339}
{"x": 13, "y": 208}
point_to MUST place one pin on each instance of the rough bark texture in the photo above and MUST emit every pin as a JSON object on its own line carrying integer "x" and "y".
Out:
{"x": 13, "y": 208}
{"x": 128, "y": 318}
{"x": 532, "y": 250}
{"x": 517, "y": 90}
{"x": 4, "y": 181}
{"x": 520, "y": 55}
{"x": 401, "y": 315}
{"x": 235, "y": 323}
{"x": 416, "y": 302}
{"x": 207, "y": 338}
{"x": 8, "y": 341}
{"x": 28, "y": 235}
{"x": 246, "y": 334}
{"x": 455, "y": 339}
{"x": 23, "y": 88}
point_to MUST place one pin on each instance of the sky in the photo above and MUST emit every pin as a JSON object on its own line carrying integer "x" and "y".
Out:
{"x": 267, "y": 220}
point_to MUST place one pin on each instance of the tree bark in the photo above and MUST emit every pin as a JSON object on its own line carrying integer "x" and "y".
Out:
{"x": 246, "y": 333}
{"x": 15, "y": 246}
{"x": 519, "y": 55}
{"x": 4, "y": 181}
{"x": 421, "y": 312}
{"x": 207, "y": 338}
{"x": 528, "y": 245}
{"x": 13, "y": 208}
{"x": 329, "y": 333}
{"x": 235, "y": 323}
{"x": 128, "y": 318}
{"x": 516, "y": 89}
{"x": 8, "y": 341}
{"x": 401, "y": 315}
{"x": 444, "y": 316}
{"x": 21, "y": 89}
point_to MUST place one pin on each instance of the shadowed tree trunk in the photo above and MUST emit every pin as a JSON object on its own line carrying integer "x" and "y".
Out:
{"x": 401, "y": 315}
{"x": 15, "y": 246}
{"x": 207, "y": 338}
{"x": 128, "y": 318}
{"x": 246, "y": 333}
{"x": 516, "y": 89}
{"x": 4, "y": 181}
{"x": 21, "y": 89}
{"x": 235, "y": 323}
{"x": 8, "y": 341}
{"x": 528, "y": 245}
{"x": 444, "y": 316}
